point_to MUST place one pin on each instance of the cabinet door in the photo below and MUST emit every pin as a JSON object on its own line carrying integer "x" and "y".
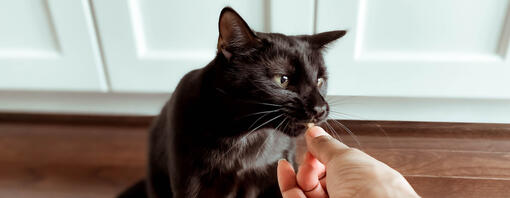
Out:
{"x": 150, "y": 45}
{"x": 48, "y": 45}
{"x": 424, "y": 49}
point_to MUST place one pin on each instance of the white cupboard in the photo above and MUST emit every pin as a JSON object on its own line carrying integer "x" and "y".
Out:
{"x": 435, "y": 60}
{"x": 433, "y": 49}
{"x": 150, "y": 45}
{"x": 49, "y": 45}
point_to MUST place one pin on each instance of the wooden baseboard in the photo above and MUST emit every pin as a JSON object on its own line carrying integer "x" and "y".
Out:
{"x": 66, "y": 118}
{"x": 367, "y": 127}
{"x": 55, "y": 155}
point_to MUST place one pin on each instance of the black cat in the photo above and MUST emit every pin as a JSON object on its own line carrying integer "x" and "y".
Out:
{"x": 227, "y": 124}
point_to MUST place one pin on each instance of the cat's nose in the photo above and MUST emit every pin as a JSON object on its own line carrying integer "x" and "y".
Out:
{"x": 320, "y": 112}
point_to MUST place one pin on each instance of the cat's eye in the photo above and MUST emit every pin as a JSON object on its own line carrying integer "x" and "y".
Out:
{"x": 320, "y": 82}
{"x": 281, "y": 80}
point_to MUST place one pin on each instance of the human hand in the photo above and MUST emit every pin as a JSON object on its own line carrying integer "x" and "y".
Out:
{"x": 332, "y": 169}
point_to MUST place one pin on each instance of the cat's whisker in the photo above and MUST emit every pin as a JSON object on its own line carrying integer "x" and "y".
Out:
{"x": 342, "y": 116}
{"x": 343, "y": 102}
{"x": 335, "y": 104}
{"x": 335, "y": 111}
{"x": 261, "y": 112}
{"x": 266, "y": 122}
{"x": 281, "y": 122}
{"x": 253, "y": 124}
{"x": 346, "y": 114}
{"x": 339, "y": 99}
{"x": 329, "y": 129}
{"x": 388, "y": 139}
{"x": 265, "y": 141}
{"x": 333, "y": 132}
{"x": 268, "y": 104}
{"x": 231, "y": 148}
{"x": 263, "y": 124}
{"x": 261, "y": 147}
{"x": 340, "y": 102}
{"x": 247, "y": 134}
{"x": 254, "y": 102}
{"x": 286, "y": 124}
{"x": 348, "y": 131}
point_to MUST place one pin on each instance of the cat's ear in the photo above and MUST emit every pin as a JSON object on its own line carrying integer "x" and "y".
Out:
{"x": 318, "y": 41}
{"x": 235, "y": 34}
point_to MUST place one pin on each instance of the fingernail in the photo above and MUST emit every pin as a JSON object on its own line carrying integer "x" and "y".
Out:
{"x": 316, "y": 132}
{"x": 281, "y": 160}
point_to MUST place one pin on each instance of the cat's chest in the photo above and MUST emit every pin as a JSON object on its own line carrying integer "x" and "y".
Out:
{"x": 254, "y": 152}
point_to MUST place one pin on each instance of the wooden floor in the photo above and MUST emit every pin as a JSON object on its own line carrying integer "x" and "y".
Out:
{"x": 80, "y": 156}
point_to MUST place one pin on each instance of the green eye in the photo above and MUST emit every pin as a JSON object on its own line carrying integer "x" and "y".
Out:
{"x": 281, "y": 80}
{"x": 320, "y": 82}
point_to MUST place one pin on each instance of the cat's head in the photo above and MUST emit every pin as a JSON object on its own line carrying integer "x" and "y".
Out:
{"x": 282, "y": 78}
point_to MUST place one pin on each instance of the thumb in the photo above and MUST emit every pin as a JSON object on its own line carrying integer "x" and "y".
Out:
{"x": 322, "y": 145}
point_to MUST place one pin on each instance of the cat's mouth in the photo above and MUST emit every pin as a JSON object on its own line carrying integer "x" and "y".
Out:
{"x": 299, "y": 128}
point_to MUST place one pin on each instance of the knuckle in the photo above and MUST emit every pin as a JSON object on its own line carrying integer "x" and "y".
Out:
{"x": 349, "y": 152}
{"x": 354, "y": 150}
{"x": 321, "y": 140}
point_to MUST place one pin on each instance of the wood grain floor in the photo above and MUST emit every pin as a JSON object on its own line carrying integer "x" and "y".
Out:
{"x": 90, "y": 156}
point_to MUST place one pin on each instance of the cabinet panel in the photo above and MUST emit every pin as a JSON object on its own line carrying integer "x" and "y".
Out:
{"x": 49, "y": 45}
{"x": 432, "y": 29}
{"x": 173, "y": 26}
{"x": 150, "y": 45}
{"x": 32, "y": 32}
{"x": 431, "y": 49}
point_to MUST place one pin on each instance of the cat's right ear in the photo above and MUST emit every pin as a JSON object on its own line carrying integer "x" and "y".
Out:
{"x": 235, "y": 35}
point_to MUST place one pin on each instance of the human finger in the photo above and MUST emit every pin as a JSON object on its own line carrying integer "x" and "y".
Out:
{"x": 308, "y": 177}
{"x": 287, "y": 180}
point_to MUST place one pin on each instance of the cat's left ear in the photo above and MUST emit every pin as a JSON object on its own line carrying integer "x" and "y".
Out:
{"x": 318, "y": 41}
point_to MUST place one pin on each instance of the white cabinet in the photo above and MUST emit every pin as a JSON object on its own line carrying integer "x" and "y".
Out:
{"x": 49, "y": 45}
{"x": 150, "y": 45}
{"x": 426, "y": 49}
{"x": 434, "y": 60}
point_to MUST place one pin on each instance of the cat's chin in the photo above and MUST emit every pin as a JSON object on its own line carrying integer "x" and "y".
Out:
{"x": 295, "y": 131}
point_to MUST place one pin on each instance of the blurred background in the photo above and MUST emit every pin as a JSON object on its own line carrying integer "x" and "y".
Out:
{"x": 81, "y": 79}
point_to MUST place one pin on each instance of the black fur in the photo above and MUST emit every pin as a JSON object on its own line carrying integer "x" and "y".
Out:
{"x": 211, "y": 140}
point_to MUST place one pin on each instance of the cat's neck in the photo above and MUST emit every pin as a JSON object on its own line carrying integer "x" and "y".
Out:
{"x": 219, "y": 108}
